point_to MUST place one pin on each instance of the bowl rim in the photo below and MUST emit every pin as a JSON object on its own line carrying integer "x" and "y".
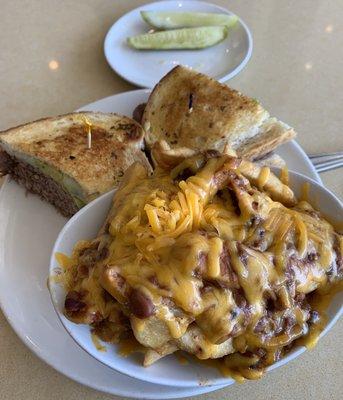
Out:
{"x": 297, "y": 351}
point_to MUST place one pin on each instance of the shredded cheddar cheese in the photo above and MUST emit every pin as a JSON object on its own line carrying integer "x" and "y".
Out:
{"x": 210, "y": 264}
{"x": 263, "y": 177}
{"x": 284, "y": 177}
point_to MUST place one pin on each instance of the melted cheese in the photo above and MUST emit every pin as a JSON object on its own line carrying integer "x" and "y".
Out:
{"x": 284, "y": 177}
{"x": 181, "y": 359}
{"x": 97, "y": 343}
{"x": 215, "y": 250}
{"x": 263, "y": 177}
{"x": 169, "y": 239}
{"x": 129, "y": 346}
{"x": 302, "y": 232}
{"x": 305, "y": 191}
{"x": 63, "y": 260}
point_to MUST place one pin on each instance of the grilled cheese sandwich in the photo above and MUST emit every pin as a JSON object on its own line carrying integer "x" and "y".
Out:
{"x": 72, "y": 159}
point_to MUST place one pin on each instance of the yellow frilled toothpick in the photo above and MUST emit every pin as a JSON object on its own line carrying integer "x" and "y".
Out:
{"x": 89, "y": 132}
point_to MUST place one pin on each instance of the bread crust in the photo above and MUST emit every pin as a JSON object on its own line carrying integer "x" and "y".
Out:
{"x": 189, "y": 109}
{"x": 62, "y": 142}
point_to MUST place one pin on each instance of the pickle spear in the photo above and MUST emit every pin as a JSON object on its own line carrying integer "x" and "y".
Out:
{"x": 187, "y": 38}
{"x": 172, "y": 20}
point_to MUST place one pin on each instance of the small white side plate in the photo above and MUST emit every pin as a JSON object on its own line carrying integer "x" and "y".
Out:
{"x": 146, "y": 68}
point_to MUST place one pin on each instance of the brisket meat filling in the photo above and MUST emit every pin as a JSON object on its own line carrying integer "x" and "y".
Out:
{"x": 37, "y": 182}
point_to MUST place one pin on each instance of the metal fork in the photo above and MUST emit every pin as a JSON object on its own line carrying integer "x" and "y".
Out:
{"x": 327, "y": 161}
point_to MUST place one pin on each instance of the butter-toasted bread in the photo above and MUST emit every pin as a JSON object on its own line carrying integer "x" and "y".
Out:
{"x": 52, "y": 156}
{"x": 190, "y": 109}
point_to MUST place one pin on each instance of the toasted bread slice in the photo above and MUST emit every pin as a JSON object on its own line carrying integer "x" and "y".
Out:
{"x": 52, "y": 156}
{"x": 271, "y": 134}
{"x": 189, "y": 109}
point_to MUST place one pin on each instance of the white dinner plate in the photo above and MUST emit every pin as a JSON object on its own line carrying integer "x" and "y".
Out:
{"x": 28, "y": 230}
{"x": 145, "y": 68}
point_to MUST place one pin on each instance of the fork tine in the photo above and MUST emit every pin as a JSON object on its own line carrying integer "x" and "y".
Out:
{"x": 326, "y": 158}
{"x": 328, "y": 163}
{"x": 319, "y": 155}
{"x": 329, "y": 166}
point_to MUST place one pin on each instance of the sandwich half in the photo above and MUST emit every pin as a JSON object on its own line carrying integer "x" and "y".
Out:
{"x": 71, "y": 159}
{"x": 190, "y": 109}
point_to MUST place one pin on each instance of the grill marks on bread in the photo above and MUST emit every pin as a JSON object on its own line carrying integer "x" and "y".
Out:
{"x": 61, "y": 144}
{"x": 191, "y": 110}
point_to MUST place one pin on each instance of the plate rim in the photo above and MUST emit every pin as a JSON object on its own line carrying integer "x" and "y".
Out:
{"x": 222, "y": 78}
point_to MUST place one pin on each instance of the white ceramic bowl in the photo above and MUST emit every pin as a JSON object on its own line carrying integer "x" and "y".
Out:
{"x": 168, "y": 371}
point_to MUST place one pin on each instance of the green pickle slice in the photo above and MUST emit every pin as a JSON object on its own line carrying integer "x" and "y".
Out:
{"x": 187, "y": 38}
{"x": 172, "y": 20}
